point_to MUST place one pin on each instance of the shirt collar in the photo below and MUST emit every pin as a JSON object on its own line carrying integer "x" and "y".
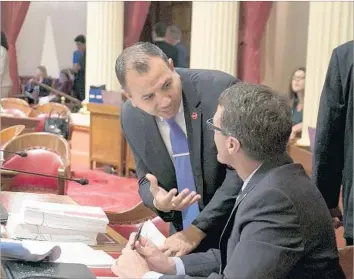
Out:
{"x": 247, "y": 180}
{"x": 180, "y": 111}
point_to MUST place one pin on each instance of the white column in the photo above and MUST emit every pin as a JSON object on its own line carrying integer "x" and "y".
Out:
{"x": 330, "y": 25}
{"x": 214, "y": 36}
{"x": 104, "y": 43}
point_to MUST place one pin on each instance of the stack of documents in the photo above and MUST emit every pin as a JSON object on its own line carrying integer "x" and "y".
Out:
{"x": 57, "y": 222}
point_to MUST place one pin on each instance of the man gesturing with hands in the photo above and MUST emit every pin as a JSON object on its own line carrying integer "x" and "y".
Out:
{"x": 168, "y": 201}
{"x": 175, "y": 155}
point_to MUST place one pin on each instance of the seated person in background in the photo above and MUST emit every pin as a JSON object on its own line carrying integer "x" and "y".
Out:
{"x": 32, "y": 90}
{"x": 64, "y": 84}
{"x": 279, "y": 227}
{"x": 297, "y": 95}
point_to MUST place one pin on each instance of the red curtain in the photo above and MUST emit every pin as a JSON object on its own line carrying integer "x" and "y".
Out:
{"x": 12, "y": 17}
{"x": 135, "y": 13}
{"x": 253, "y": 20}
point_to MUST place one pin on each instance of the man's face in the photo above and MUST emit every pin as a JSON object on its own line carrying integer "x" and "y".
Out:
{"x": 80, "y": 46}
{"x": 157, "y": 92}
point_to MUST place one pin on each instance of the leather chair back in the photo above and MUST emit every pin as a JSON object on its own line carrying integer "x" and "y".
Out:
{"x": 15, "y": 107}
{"x": 47, "y": 154}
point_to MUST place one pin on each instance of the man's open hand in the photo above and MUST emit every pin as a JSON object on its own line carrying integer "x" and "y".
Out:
{"x": 168, "y": 201}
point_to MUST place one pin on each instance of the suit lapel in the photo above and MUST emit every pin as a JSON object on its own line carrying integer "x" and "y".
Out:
{"x": 156, "y": 154}
{"x": 193, "y": 116}
{"x": 255, "y": 179}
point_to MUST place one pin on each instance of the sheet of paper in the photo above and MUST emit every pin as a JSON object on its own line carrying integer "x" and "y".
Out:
{"x": 150, "y": 231}
{"x": 84, "y": 254}
{"x": 29, "y": 250}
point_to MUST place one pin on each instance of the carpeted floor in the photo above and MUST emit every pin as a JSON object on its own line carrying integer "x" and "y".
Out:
{"x": 111, "y": 192}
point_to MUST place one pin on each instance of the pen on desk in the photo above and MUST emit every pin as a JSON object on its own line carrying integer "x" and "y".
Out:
{"x": 137, "y": 237}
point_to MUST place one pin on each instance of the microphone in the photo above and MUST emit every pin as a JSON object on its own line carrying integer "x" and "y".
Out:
{"x": 19, "y": 153}
{"x": 81, "y": 181}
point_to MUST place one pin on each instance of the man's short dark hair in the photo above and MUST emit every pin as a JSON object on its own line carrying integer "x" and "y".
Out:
{"x": 80, "y": 39}
{"x": 160, "y": 29}
{"x": 137, "y": 57}
{"x": 258, "y": 117}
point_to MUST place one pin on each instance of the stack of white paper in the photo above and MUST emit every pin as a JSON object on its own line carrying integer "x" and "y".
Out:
{"x": 57, "y": 222}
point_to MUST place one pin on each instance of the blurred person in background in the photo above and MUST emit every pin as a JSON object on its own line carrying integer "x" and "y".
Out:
{"x": 5, "y": 80}
{"x": 297, "y": 95}
{"x": 173, "y": 37}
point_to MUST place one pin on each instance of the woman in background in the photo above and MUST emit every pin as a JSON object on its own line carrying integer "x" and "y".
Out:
{"x": 297, "y": 95}
{"x": 5, "y": 80}
{"x": 32, "y": 90}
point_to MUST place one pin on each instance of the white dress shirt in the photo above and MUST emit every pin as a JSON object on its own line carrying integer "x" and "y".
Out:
{"x": 165, "y": 129}
{"x": 180, "y": 270}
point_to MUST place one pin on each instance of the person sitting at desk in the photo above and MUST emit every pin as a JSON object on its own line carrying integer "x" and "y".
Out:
{"x": 297, "y": 96}
{"x": 32, "y": 90}
{"x": 279, "y": 227}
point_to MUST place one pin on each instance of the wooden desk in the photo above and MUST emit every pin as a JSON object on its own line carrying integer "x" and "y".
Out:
{"x": 301, "y": 155}
{"x": 107, "y": 144}
{"x": 80, "y": 140}
{"x": 5, "y": 178}
{"x": 29, "y": 122}
{"x": 109, "y": 242}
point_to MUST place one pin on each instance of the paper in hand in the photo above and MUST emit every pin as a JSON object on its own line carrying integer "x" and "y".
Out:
{"x": 152, "y": 233}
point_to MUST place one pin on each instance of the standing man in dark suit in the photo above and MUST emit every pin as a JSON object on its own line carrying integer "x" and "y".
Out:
{"x": 164, "y": 124}
{"x": 159, "y": 35}
{"x": 333, "y": 153}
{"x": 279, "y": 227}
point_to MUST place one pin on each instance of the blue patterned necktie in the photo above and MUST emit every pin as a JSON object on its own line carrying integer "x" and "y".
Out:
{"x": 183, "y": 169}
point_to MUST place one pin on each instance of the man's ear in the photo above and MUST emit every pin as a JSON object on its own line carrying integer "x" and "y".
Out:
{"x": 128, "y": 96}
{"x": 233, "y": 145}
{"x": 170, "y": 64}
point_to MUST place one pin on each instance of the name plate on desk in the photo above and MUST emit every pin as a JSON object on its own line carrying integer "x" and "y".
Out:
{"x": 95, "y": 94}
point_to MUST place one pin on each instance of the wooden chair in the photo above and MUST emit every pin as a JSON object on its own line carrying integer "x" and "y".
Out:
{"x": 10, "y": 132}
{"x": 46, "y": 109}
{"x": 129, "y": 160}
{"x": 346, "y": 261}
{"x": 16, "y": 107}
{"x": 47, "y": 154}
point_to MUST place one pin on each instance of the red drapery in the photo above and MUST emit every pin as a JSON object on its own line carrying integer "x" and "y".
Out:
{"x": 135, "y": 14}
{"x": 253, "y": 20}
{"x": 12, "y": 17}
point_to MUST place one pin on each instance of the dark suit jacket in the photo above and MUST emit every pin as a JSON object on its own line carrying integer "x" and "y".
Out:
{"x": 279, "y": 228}
{"x": 333, "y": 153}
{"x": 170, "y": 51}
{"x": 217, "y": 184}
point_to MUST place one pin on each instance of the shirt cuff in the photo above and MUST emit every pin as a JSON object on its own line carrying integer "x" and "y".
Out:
{"x": 179, "y": 266}
{"x": 152, "y": 275}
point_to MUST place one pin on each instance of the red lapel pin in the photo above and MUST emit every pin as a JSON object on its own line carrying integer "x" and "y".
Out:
{"x": 194, "y": 115}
